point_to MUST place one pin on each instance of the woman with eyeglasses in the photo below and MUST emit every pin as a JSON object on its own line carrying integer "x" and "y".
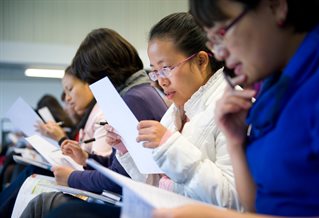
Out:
{"x": 187, "y": 145}
{"x": 277, "y": 165}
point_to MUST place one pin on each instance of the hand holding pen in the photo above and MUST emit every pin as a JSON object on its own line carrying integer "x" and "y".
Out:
{"x": 72, "y": 148}
{"x": 231, "y": 111}
{"x": 229, "y": 75}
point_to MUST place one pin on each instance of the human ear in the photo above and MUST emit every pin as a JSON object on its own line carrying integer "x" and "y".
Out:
{"x": 203, "y": 59}
{"x": 280, "y": 10}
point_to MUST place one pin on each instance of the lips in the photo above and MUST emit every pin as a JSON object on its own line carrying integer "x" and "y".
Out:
{"x": 236, "y": 67}
{"x": 169, "y": 95}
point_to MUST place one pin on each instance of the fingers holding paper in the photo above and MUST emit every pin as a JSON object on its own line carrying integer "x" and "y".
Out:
{"x": 114, "y": 139}
{"x": 50, "y": 129}
{"x": 62, "y": 174}
{"x": 150, "y": 132}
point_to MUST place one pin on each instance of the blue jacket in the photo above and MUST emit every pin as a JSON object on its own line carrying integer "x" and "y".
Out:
{"x": 146, "y": 104}
{"x": 283, "y": 148}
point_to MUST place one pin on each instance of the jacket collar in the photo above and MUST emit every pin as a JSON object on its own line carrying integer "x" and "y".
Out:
{"x": 279, "y": 88}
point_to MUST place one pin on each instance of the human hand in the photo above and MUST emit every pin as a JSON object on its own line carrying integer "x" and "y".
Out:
{"x": 188, "y": 211}
{"x": 62, "y": 174}
{"x": 73, "y": 149}
{"x": 50, "y": 129}
{"x": 113, "y": 139}
{"x": 151, "y": 132}
{"x": 231, "y": 111}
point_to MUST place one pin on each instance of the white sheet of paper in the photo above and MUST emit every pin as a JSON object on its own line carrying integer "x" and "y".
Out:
{"x": 24, "y": 117}
{"x": 46, "y": 114}
{"x": 146, "y": 196}
{"x": 123, "y": 120}
{"x": 28, "y": 161}
{"x": 51, "y": 154}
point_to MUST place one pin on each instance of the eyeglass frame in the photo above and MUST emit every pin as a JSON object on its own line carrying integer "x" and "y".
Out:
{"x": 165, "y": 72}
{"x": 221, "y": 32}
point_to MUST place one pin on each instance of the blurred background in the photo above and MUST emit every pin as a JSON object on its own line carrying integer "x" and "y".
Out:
{"x": 45, "y": 34}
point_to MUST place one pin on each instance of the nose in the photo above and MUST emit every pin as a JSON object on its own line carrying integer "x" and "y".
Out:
{"x": 163, "y": 82}
{"x": 216, "y": 44}
{"x": 220, "y": 52}
{"x": 67, "y": 98}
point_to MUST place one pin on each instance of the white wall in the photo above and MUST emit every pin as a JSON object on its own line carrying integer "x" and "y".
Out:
{"x": 48, "y": 32}
{"x": 53, "y": 29}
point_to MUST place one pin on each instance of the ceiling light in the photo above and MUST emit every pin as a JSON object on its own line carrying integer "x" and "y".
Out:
{"x": 45, "y": 73}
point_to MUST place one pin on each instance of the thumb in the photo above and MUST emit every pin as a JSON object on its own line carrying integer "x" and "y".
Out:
{"x": 54, "y": 168}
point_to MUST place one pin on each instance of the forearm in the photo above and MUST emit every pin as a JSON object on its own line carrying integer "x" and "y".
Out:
{"x": 187, "y": 167}
{"x": 216, "y": 187}
{"x": 91, "y": 180}
{"x": 245, "y": 185}
{"x": 204, "y": 211}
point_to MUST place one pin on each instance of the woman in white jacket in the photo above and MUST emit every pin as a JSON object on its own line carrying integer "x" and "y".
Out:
{"x": 187, "y": 144}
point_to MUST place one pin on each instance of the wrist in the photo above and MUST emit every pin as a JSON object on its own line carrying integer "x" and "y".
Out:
{"x": 62, "y": 139}
{"x": 85, "y": 156}
{"x": 235, "y": 147}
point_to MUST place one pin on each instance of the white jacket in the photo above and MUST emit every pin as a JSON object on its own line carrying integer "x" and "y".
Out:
{"x": 195, "y": 159}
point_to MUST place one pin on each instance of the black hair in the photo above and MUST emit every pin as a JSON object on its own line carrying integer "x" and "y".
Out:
{"x": 104, "y": 52}
{"x": 302, "y": 15}
{"x": 188, "y": 37}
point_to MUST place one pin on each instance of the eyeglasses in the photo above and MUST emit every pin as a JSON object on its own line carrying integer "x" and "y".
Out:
{"x": 166, "y": 71}
{"x": 218, "y": 37}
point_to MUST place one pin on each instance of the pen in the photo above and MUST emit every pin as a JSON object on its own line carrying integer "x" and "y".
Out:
{"x": 92, "y": 139}
{"x": 102, "y": 123}
{"x": 60, "y": 123}
{"x": 228, "y": 74}
{"x": 58, "y": 149}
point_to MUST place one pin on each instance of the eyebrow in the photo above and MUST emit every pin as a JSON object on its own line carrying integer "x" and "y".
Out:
{"x": 160, "y": 62}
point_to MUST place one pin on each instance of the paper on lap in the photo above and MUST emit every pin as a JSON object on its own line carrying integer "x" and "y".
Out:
{"x": 50, "y": 153}
{"x": 147, "y": 197}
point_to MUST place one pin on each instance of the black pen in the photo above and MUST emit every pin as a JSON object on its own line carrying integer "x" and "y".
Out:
{"x": 102, "y": 123}
{"x": 92, "y": 139}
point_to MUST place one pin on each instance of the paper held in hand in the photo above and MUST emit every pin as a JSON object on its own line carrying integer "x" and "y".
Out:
{"x": 25, "y": 118}
{"x": 119, "y": 116}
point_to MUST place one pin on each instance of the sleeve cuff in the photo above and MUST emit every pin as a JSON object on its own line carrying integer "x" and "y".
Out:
{"x": 61, "y": 140}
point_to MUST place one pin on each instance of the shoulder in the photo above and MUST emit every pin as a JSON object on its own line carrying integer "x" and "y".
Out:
{"x": 145, "y": 103}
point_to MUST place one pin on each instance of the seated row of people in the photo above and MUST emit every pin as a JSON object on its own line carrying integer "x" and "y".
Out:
{"x": 202, "y": 141}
